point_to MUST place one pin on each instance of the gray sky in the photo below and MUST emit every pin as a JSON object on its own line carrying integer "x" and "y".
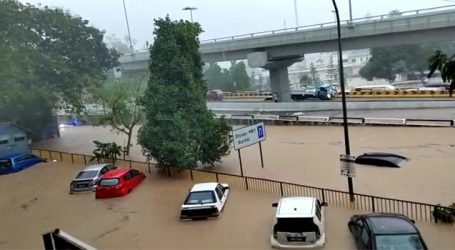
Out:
{"x": 224, "y": 18}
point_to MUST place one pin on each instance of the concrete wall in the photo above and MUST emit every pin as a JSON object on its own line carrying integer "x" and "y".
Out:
{"x": 252, "y": 107}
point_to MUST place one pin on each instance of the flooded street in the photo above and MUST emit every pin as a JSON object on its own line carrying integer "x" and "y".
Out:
{"x": 310, "y": 155}
{"x": 36, "y": 200}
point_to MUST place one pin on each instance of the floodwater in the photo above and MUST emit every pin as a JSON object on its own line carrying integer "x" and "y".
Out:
{"x": 309, "y": 155}
{"x": 36, "y": 201}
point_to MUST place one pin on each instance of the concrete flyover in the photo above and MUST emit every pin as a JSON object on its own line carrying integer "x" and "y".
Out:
{"x": 277, "y": 49}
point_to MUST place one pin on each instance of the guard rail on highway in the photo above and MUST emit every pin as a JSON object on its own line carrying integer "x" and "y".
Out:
{"x": 334, "y": 120}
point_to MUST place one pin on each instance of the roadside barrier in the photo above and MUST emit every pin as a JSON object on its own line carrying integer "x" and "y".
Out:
{"x": 366, "y": 203}
{"x": 333, "y": 120}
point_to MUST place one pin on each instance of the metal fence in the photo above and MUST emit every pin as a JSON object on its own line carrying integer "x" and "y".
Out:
{"x": 365, "y": 203}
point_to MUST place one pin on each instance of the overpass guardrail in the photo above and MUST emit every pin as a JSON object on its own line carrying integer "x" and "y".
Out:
{"x": 418, "y": 211}
{"x": 333, "y": 120}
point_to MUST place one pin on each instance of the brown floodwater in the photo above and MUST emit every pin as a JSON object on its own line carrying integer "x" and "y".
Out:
{"x": 36, "y": 200}
{"x": 310, "y": 155}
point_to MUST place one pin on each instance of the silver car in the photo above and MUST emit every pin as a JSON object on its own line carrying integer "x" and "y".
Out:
{"x": 87, "y": 178}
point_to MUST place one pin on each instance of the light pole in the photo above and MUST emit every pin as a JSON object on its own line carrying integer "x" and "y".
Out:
{"x": 343, "y": 99}
{"x": 191, "y": 11}
{"x": 350, "y": 12}
{"x": 128, "y": 27}
{"x": 296, "y": 14}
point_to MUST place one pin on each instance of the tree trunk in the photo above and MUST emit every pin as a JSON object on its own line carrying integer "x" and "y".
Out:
{"x": 128, "y": 145}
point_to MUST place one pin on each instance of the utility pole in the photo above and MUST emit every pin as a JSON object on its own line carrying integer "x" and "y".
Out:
{"x": 296, "y": 14}
{"x": 128, "y": 28}
{"x": 343, "y": 99}
{"x": 350, "y": 12}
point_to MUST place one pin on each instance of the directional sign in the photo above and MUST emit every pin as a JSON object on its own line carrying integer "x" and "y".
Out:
{"x": 247, "y": 136}
{"x": 347, "y": 167}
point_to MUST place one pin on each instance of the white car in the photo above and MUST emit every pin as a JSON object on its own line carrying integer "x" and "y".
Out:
{"x": 299, "y": 223}
{"x": 205, "y": 200}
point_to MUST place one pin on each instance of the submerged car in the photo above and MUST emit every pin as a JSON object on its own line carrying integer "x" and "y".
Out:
{"x": 385, "y": 231}
{"x": 17, "y": 162}
{"x": 118, "y": 182}
{"x": 205, "y": 200}
{"x": 299, "y": 223}
{"x": 86, "y": 179}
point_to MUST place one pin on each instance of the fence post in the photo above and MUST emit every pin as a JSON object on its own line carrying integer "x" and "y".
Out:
{"x": 169, "y": 171}
{"x": 323, "y": 195}
{"x": 40, "y": 153}
{"x": 61, "y": 157}
{"x": 191, "y": 173}
{"x": 131, "y": 164}
{"x": 85, "y": 160}
{"x": 246, "y": 182}
{"x": 372, "y": 204}
{"x": 281, "y": 188}
{"x": 216, "y": 174}
{"x": 150, "y": 171}
{"x": 72, "y": 158}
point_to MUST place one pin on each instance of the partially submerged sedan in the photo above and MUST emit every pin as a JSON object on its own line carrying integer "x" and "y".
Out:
{"x": 86, "y": 179}
{"x": 385, "y": 231}
{"x": 17, "y": 162}
{"x": 205, "y": 200}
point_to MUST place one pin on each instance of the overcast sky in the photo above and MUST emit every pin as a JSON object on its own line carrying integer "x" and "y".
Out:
{"x": 224, "y": 17}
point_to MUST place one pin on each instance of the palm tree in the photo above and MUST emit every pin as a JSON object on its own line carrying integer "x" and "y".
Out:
{"x": 445, "y": 65}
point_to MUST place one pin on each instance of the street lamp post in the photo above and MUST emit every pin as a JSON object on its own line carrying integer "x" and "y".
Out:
{"x": 191, "y": 11}
{"x": 296, "y": 14}
{"x": 343, "y": 98}
{"x": 128, "y": 27}
{"x": 350, "y": 12}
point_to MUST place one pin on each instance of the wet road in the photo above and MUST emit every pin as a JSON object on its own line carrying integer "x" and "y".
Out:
{"x": 310, "y": 155}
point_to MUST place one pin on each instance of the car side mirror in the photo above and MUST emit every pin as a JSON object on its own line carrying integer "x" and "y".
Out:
{"x": 324, "y": 204}
{"x": 413, "y": 221}
{"x": 275, "y": 204}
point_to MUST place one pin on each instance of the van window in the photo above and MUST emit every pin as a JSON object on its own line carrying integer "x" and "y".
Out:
{"x": 24, "y": 157}
{"x": 296, "y": 225}
{"x": 109, "y": 182}
{"x": 3, "y": 142}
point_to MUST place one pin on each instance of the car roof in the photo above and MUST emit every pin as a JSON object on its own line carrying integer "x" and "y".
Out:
{"x": 15, "y": 155}
{"x": 390, "y": 224}
{"x": 116, "y": 173}
{"x": 207, "y": 186}
{"x": 296, "y": 207}
{"x": 95, "y": 167}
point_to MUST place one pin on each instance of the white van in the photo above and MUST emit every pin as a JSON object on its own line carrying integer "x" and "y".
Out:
{"x": 299, "y": 223}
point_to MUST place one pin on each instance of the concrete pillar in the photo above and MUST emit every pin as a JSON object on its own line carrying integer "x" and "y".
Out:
{"x": 279, "y": 77}
{"x": 279, "y": 81}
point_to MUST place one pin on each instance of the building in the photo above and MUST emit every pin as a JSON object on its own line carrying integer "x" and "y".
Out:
{"x": 12, "y": 140}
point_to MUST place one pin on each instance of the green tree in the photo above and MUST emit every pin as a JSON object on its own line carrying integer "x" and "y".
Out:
{"x": 240, "y": 76}
{"x": 445, "y": 65}
{"x": 332, "y": 72}
{"x": 314, "y": 74}
{"x": 48, "y": 57}
{"x": 120, "y": 45}
{"x": 178, "y": 130}
{"x": 121, "y": 108}
{"x": 106, "y": 151}
{"x": 305, "y": 81}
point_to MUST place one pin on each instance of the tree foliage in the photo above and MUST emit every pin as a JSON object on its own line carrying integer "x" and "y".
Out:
{"x": 332, "y": 72}
{"x": 178, "y": 130}
{"x": 48, "y": 56}
{"x": 314, "y": 74}
{"x": 106, "y": 151}
{"x": 305, "y": 81}
{"x": 234, "y": 79}
{"x": 446, "y": 65}
{"x": 120, "y": 101}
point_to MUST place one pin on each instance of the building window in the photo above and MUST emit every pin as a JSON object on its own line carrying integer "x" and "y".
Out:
{"x": 3, "y": 142}
{"x": 345, "y": 60}
{"x": 17, "y": 139}
{"x": 353, "y": 60}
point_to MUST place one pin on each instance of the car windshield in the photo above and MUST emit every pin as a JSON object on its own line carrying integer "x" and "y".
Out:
{"x": 202, "y": 197}
{"x": 87, "y": 174}
{"x": 109, "y": 182}
{"x": 295, "y": 225}
{"x": 390, "y": 242}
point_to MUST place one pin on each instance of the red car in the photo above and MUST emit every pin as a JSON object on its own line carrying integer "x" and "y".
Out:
{"x": 118, "y": 182}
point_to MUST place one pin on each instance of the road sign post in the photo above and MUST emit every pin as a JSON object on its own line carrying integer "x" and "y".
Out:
{"x": 247, "y": 136}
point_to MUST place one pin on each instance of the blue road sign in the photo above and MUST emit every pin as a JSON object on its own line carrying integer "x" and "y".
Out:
{"x": 260, "y": 131}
